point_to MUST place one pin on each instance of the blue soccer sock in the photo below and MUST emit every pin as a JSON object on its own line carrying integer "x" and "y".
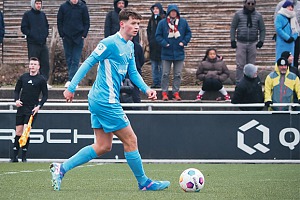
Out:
{"x": 134, "y": 161}
{"x": 83, "y": 156}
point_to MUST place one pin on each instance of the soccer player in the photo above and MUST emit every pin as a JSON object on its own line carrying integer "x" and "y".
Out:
{"x": 115, "y": 55}
{"x": 31, "y": 84}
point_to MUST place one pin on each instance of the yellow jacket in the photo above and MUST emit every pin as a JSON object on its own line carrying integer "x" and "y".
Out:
{"x": 280, "y": 88}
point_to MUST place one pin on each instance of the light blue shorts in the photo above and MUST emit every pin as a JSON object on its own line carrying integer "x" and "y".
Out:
{"x": 109, "y": 117}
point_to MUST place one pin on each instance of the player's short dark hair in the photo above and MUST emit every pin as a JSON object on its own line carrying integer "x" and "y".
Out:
{"x": 126, "y": 13}
{"x": 35, "y": 59}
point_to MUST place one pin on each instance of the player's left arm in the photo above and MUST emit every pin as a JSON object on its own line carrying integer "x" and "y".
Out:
{"x": 44, "y": 90}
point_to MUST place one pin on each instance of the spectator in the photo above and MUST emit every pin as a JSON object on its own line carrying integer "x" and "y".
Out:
{"x": 73, "y": 24}
{"x": 287, "y": 29}
{"x": 155, "y": 49}
{"x": 248, "y": 28}
{"x": 139, "y": 62}
{"x": 2, "y": 28}
{"x": 280, "y": 86}
{"x": 290, "y": 58}
{"x": 249, "y": 89}
{"x": 130, "y": 93}
{"x": 296, "y": 4}
{"x": 173, "y": 33}
{"x": 112, "y": 23}
{"x": 36, "y": 28}
{"x": 212, "y": 71}
{"x": 27, "y": 102}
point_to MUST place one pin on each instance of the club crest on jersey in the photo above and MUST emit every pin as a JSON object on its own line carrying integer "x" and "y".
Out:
{"x": 100, "y": 49}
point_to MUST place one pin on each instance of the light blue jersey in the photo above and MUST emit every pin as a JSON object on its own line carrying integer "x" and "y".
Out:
{"x": 115, "y": 56}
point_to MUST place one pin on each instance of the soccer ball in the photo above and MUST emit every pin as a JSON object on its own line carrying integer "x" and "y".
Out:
{"x": 191, "y": 180}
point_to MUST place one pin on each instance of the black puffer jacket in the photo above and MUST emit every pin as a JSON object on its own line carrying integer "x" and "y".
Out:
{"x": 249, "y": 90}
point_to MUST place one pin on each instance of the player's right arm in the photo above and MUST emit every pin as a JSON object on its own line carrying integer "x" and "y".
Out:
{"x": 99, "y": 54}
{"x": 17, "y": 91}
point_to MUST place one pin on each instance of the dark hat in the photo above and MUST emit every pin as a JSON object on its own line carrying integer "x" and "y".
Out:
{"x": 287, "y": 3}
{"x": 282, "y": 62}
{"x": 286, "y": 54}
{"x": 250, "y": 70}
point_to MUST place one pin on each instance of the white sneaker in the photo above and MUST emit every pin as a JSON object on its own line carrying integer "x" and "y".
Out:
{"x": 67, "y": 84}
{"x": 49, "y": 86}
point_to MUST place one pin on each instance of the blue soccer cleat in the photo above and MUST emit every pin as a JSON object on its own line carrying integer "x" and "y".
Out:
{"x": 154, "y": 185}
{"x": 56, "y": 176}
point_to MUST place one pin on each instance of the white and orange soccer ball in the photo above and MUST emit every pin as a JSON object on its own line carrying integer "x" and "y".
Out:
{"x": 191, "y": 180}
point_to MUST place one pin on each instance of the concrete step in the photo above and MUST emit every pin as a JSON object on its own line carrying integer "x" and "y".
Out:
{"x": 188, "y": 94}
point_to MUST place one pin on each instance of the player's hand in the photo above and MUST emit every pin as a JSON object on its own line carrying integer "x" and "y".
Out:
{"x": 151, "y": 94}
{"x": 19, "y": 103}
{"x": 68, "y": 96}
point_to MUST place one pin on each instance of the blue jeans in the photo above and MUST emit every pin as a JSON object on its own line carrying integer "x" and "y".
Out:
{"x": 156, "y": 72}
{"x": 177, "y": 69}
{"x": 73, "y": 55}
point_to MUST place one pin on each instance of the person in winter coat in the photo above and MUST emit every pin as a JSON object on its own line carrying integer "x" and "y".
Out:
{"x": 73, "y": 23}
{"x": 155, "y": 49}
{"x": 287, "y": 29}
{"x": 212, "y": 71}
{"x": 247, "y": 33}
{"x": 36, "y": 28}
{"x": 280, "y": 86}
{"x": 173, "y": 34}
{"x": 112, "y": 23}
{"x": 297, "y": 42}
{"x": 249, "y": 89}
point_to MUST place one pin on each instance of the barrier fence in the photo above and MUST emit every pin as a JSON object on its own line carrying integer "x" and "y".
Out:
{"x": 165, "y": 134}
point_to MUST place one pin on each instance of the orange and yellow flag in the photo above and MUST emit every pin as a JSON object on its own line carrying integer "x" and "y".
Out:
{"x": 24, "y": 137}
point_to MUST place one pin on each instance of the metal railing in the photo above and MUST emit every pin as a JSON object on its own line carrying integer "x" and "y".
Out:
{"x": 150, "y": 106}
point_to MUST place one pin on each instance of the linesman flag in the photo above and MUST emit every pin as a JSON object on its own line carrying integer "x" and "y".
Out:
{"x": 24, "y": 137}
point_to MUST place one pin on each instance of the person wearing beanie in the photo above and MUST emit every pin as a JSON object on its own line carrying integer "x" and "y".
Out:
{"x": 249, "y": 89}
{"x": 212, "y": 71}
{"x": 36, "y": 28}
{"x": 287, "y": 29}
{"x": 296, "y": 5}
{"x": 289, "y": 57}
{"x": 247, "y": 34}
{"x": 280, "y": 86}
{"x": 173, "y": 33}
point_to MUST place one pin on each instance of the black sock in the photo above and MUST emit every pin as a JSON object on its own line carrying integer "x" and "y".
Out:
{"x": 25, "y": 149}
{"x": 16, "y": 147}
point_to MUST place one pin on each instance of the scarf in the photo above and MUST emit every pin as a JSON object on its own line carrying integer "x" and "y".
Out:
{"x": 291, "y": 15}
{"x": 173, "y": 27}
{"x": 249, "y": 18}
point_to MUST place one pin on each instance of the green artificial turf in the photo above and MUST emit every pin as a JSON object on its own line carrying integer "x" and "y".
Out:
{"x": 116, "y": 181}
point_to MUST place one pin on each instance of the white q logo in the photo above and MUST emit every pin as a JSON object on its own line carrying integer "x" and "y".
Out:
{"x": 266, "y": 138}
{"x": 292, "y": 144}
